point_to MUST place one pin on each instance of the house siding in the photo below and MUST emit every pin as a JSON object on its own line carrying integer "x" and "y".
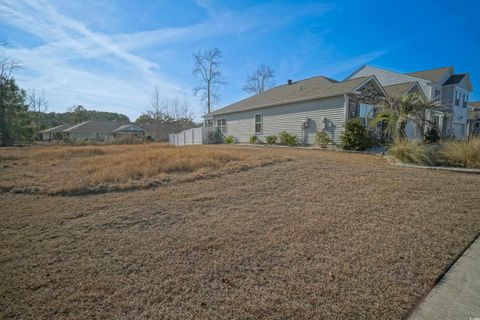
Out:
{"x": 289, "y": 117}
{"x": 90, "y": 135}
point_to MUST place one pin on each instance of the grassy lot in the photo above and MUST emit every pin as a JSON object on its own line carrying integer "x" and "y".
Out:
{"x": 93, "y": 169}
{"x": 326, "y": 235}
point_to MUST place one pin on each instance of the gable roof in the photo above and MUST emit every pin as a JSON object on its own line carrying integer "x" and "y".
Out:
{"x": 399, "y": 89}
{"x": 457, "y": 78}
{"x": 59, "y": 128}
{"x": 95, "y": 126}
{"x": 402, "y": 88}
{"x": 129, "y": 128}
{"x": 307, "y": 89}
{"x": 454, "y": 79}
{"x": 432, "y": 74}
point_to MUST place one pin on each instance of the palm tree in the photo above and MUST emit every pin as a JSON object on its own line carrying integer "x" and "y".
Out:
{"x": 395, "y": 112}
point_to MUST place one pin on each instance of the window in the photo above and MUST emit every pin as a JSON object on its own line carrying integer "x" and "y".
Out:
{"x": 365, "y": 112}
{"x": 209, "y": 123}
{"x": 222, "y": 125}
{"x": 436, "y": 121}
{"x": 457, "y": 98}
{"x": 437, "y": 95}
{"x": 258, "y": 124}
{"x": 465, "y": 99}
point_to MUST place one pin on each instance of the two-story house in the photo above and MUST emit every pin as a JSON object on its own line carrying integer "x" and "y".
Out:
{"x": 451, "y": 90}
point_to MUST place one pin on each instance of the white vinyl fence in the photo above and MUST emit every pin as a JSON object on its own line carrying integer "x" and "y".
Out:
{"x": 189, "y": 137}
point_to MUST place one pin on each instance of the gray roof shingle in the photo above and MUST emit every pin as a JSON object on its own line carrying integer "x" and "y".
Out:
{"x": 316, "y": 87}
{"x": 95, "y": 126}
{"x": 59, "y": 128}
{"x": 399, "y": 89}
{"x": 433, "y": 74}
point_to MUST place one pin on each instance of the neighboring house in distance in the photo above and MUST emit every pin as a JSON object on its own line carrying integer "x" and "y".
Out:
{"x": 300, "y": 107}
{"x": 129, "y": 130}
{"x": 473, "y": 118}
{"x": 451, "y": 90}
{"x": 92, "y": 130}
{"x": 55, "y": 133}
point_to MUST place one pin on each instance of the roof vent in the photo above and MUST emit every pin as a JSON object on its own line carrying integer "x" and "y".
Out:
{"x": 290, "y": 81}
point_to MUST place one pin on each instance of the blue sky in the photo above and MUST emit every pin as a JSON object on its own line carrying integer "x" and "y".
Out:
{"x": 109, "y": 55}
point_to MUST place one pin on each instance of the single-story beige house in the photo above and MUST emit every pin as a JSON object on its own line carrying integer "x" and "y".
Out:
{"x": 300, "y": 107}
{"x": 93, "y": 130}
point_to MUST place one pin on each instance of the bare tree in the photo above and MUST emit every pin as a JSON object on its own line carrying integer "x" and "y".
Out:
{"x": 186, "y": 114}
{"x": 179, "y": 110}
{"x": 158, "y": 105}
{"x": 7, "y": 65}
{"x": 37, "y": 102}
{"x": 37, "y": 105}
{"x": 260, "y": 80}
{"x": 157, "y": 109}
{"x": 206, "y": 67}
{"x": 165, "y": 111}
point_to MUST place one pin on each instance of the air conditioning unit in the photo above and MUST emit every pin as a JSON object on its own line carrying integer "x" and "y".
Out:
{"x": 305, "y": 123}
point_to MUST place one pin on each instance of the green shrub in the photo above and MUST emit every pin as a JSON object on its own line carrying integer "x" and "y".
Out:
{"x": 464, "y": 153}
{"x": 271, "y": 139}
{"x": 431, "y": 136}
{"x": 214, "y": 136}
{"x": 253, "y": 139}
{"x": 322, "y": 138}
{"x": 288, "y": 139}
{"x": 355, "y": 136}
{"x": 229, "y": 139}
{"x": 410, "y": 151}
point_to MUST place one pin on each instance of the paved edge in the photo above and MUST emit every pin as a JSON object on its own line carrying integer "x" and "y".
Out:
{"x": 422, "y": 299}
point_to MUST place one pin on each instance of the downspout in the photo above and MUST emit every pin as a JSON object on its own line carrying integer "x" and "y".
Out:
{"x": 345, "y": 108}
{"x": 347, "y": 102}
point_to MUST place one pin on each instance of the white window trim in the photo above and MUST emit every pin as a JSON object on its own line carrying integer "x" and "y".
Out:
{"x": 255, "y": 123}
{"x": 365, "y": 120}
{"x": 223, "y": 129}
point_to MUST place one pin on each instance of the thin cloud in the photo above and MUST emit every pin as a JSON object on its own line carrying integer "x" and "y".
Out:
{"x": 61, "y": 65}
{"x": 337, "y": 68}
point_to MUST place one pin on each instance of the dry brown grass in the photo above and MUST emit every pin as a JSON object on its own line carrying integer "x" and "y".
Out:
{"x": 78, "y": 170}
{"x": 325, "y": 236}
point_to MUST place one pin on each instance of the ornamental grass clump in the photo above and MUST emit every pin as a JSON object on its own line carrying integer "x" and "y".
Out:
{"x": 464, "y": 153}
{"x": 409, "y": 151}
